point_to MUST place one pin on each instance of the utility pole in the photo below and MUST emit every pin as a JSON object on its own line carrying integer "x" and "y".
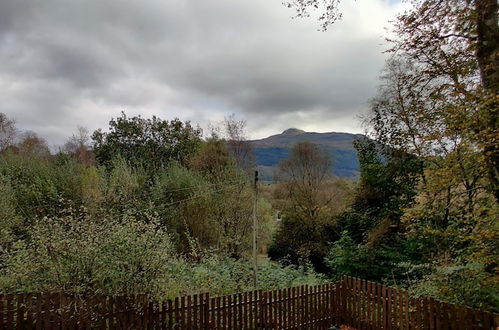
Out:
{"x": 255, "y": 232}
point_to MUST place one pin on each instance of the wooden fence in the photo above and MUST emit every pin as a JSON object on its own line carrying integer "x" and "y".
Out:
{"x": 353, "y": 302}
{"x": 368, "y": 305}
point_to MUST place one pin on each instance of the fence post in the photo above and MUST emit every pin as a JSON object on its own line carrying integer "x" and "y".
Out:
{"x": 207, "y": 311}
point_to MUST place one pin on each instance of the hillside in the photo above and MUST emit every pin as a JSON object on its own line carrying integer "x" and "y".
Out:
{"x": 270, "y": 151}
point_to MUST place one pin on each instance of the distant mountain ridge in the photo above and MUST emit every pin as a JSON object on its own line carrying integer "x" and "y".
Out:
{"x": 272, "y": 150}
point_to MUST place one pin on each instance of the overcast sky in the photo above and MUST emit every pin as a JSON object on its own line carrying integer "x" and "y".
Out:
{"x": 65, "y": 63}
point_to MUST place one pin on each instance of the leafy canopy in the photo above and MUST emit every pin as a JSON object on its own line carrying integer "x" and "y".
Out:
{"x": 152, "y": 143}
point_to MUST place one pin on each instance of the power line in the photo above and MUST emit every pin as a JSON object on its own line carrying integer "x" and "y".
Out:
{"x": 200, "y": 186}
{"x": 149, "y": 193}
{"x": 198, "y": 196}
{"x": 226, "y": 185}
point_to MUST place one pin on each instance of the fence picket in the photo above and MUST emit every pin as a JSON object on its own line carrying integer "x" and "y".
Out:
{"x": 336, "y": 303}
{"x": 2, "y": 323}
{"x": 294, "y": 306}
{"x": 265, "y": 310}
{"x": 245, "y": 311}
{"x": 404, "y": 309}
{"x": 322, "y": 305}
{"x": 286, "y": 306}
{"x": 315, "y": 310}
{"x": 396, "y": 308}
{"x": 330, "y": 304}
{"x": 48, "y": 311}
{"x": 189, "y": 313}
{"x": 361, "y": 300}
{"x": 351, "y": 301}
{"x": 432, "y": 312}
{"x": 486, "y": 320}
{"x": 10, "y": 313}
{"x": 407, "y": 309}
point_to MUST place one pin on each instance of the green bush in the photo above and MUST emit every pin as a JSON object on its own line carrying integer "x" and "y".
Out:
{"x": 467, "y": 284}
{"x": 88, "y": 256}
{"x": 222, "y": 275}
{"x": 127, "y": 257}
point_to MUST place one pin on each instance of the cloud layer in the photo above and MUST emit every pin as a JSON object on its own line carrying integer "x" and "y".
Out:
{"x": 65, "y": 63}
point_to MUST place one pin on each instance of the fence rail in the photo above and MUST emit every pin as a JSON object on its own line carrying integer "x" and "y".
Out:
{"x": 357, "y": 303}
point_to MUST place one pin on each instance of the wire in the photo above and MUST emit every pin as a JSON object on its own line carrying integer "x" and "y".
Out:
{"x": 226, "y": 185}
{"x": 201, "y": 195}
{"x": 177, "y": 189}
{"x": 202, "y": 186}
{"x": 149, "y": 193}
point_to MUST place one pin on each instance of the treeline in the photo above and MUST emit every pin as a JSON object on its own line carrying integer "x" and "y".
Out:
{"x": 146, "y": 207}
{"x": 424, "y": 214}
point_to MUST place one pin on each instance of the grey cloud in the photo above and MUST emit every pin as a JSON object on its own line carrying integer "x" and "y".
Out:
{"x": 67, "y": 61}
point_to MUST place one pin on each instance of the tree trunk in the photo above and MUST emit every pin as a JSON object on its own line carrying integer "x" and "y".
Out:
{"x": 488, "y": 61}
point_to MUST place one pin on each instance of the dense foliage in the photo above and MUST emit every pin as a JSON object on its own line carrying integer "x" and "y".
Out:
{"x": 425, "y": 212}
{"x": 150, "y": 143}
{"x": 132, "y": 222}
{"x": 127, "y": 257}
{"x": 308, "y": 199}
{"x": 153, "y": 208}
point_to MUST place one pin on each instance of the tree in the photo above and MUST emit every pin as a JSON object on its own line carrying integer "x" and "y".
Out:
{"x": 430, "y": 104}
{"x": 31, "y": 145}
{"x": 387, "y": 185}
{"x": 304, "y": 175}
{"x": 329, "y": 16}
{"x": 430, "y": 107}
{"x": 151, "y": 143}
{"x": 237, "y": 143}
{"x": 7, "y": 132}
{"x": 455, "y": 58}
{"x": 233, "y": 131}
{"x": 306, "y": 199}
{"x": 229, "y": 206}
{"x": 78, "y": 145}
{"x": 441, "y": 36}
{"x": 413, "y": 115}
{"x": 487, "y": 50}
{"x": 212, "y": 159}
{"x": 372, "y": 241}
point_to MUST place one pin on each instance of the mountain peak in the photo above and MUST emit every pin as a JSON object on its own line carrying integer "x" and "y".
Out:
{"x": 269, "y": 152}
{"x": 293, "y": 131}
